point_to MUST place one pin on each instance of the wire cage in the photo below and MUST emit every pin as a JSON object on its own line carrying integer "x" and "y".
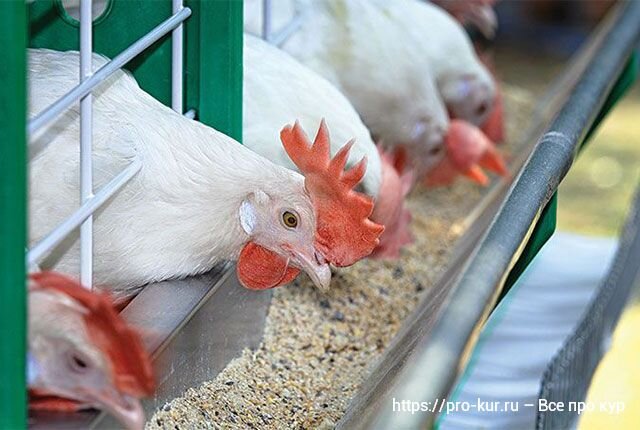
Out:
{"x": 182, "y": 54}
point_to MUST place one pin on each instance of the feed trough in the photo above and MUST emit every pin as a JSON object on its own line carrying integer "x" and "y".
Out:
{"x": 297, "y": 357}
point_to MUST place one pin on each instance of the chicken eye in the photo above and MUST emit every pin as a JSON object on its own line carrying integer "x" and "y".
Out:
{"x": 481, "y": 109}
{"x": 78, "y": 363}
{"x": 289, "y": 219}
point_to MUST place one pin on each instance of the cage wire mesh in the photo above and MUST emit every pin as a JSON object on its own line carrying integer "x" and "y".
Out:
{"x": 569, "y": 374}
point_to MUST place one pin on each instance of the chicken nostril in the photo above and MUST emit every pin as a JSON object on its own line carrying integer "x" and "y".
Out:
{"x": 435, "y": 151}
{"x": 319, "y": 258}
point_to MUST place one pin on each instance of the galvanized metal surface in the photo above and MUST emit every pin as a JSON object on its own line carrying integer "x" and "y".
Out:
{"x": 194, "y": 327}
{"x": 433, "y": 347}
{"x": 86, "y": 142}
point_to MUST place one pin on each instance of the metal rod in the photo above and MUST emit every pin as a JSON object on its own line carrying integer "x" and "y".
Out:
{"x": 266, "y": 19}
{"x": 176, "y": 61}
{"x": 440, "y": 353}
{"x": 282, "y": 35}
{"x": 52, "y": 112}
{"x": 191, "y": 113}
{"x": 86, "y": 132}
{"x": 42, "y": 248}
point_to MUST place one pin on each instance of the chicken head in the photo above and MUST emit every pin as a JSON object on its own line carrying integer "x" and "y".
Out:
{"x": 82, "y": 354}
{"x": 334, "y": 229}
{"x": 468, "y": 152}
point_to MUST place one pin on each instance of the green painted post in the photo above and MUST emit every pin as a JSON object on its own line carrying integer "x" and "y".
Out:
{"x": 13, "y": 225}
{"x": 220, "y": 62}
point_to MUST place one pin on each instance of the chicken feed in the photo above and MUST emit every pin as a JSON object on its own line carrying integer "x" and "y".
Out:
{"x": 319, "y": 347}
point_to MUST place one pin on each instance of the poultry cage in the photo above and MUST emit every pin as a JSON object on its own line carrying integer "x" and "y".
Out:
{"x": 189, "y": 56}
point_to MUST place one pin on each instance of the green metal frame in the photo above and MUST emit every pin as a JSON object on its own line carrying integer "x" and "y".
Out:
{"x": 212, "y": 86}
{"x": 213, "y": 50}
{"x": 13, "y": 216}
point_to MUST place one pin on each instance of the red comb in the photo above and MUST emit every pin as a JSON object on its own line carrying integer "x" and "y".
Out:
{"x": 493, "y": 127}
{"x": 130, "y": 362}
{"x": 344, "y": 233}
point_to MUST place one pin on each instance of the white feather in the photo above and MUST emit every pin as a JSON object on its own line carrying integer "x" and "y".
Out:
{"x": 364, "y": 49}
{"x": 279, "y": 90}
{"x": 444, "y": 42}
{"x": 178, "y": 216}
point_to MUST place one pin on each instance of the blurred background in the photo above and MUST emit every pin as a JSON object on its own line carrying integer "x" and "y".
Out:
{"x": 535, "y": 41}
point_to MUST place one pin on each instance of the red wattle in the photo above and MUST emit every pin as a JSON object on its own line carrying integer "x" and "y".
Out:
{"x": 442, "y": 174}
{"x": 260, "y": 269}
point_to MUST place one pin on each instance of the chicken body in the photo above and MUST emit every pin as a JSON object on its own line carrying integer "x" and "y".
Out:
{"x": 371, "y": 47}
{"x": 465, "y": 84}
{"x": 278, "y": 88}
{"x": 363, "y": 48}
{"x": 181, "y": 214}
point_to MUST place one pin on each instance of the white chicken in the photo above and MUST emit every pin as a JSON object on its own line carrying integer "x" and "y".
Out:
{"x": 368, "y": 54}
{"x": 465, "y": 84}
{"x": 277, "y": 87}
{"x": 200, "y": 198}
{"x": 82, "y": 354}
{"x": 381, "y": 54}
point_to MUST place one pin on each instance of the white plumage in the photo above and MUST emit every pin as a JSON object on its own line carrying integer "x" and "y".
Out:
{"x": 466, "y": 86}
{"x": 179, "y": 215}
{"x": 278, "y": 88}
{"x": 364, "y": 49}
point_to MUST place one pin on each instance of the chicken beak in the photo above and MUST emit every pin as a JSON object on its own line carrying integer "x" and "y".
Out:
{"x": 124, "y": 408}
{"x": 493, "y": 161}
{"x": 476, "y": 174}
{"x": 314, "y": 264}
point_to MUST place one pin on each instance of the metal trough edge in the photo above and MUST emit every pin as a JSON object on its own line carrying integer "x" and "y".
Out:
{"x": 193, "y": 327}
{"x": 433, "y": 345}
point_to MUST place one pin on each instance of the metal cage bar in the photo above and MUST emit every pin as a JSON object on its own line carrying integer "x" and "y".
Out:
{"x": 438, "y": 354}
{"x": 279, "y": 37}
{"x": 83, "y": 92}
{"x": 104, "y": 72}
{"x": 13, "y": 212}
{"x": 177, "y": 63}
{"x": 86, "y": 143}
{"x": 42, "y": 248}
{"x": 266, "y": 19}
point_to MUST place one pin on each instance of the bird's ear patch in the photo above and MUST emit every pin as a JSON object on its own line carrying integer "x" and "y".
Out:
{"x": 247, "y": 213}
